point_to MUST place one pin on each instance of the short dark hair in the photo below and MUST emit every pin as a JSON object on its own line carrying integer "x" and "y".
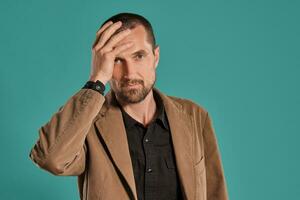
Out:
{"x": 131, "y": 20}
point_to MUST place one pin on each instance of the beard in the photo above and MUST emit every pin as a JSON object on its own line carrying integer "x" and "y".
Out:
{"x": 132, "y": 95}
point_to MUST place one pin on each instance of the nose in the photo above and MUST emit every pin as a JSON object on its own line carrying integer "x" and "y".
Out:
{"x": 129, "y": 68}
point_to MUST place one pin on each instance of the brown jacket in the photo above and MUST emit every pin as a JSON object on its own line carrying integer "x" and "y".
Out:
{"x": 86, "y": 138}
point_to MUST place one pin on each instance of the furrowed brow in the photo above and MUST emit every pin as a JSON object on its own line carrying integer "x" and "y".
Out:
{"x": 141, "y": 51}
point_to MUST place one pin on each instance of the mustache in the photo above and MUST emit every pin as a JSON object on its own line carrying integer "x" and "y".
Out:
{"x": 125, "y": 82}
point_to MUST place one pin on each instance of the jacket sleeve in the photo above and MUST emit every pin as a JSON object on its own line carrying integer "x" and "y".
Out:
{"x": 215, "y": 179}
{"x": 60, "y": 148}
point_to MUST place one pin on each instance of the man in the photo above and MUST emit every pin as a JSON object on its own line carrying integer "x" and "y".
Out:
{"x": 135, "y": 142}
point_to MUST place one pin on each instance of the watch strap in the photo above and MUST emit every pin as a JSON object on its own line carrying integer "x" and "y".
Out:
{"x": 97, "y": 86}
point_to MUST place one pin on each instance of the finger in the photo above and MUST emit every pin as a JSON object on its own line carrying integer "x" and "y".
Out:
{"x": 115, "y": 39}
{"x": 109, "y": 23}
{"x": 121, "y": 48}
{"x": 107, "y": 34}
{"x": 104, "y": 27}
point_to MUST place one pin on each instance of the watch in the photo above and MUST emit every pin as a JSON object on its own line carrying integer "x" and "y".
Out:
{"x": 97, "y": 86}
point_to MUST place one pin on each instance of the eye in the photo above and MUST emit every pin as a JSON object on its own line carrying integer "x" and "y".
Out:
{"x": 117, "y": 61}
{"x": 139, "y": 56}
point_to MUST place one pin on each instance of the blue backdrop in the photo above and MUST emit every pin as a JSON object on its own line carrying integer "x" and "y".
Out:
{"x": 239, "y": 59}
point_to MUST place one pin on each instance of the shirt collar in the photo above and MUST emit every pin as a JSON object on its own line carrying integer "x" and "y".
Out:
{"x": 161, "y": 116}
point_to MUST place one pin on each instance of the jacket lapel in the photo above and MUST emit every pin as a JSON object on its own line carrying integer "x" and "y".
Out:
{"x": 112, "y": 129}
{"x": 182, "y": 138}
{"x": 113, "y": 132}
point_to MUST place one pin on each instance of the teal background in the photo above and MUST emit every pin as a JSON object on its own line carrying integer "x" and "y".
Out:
{"x": 238, "y": 59}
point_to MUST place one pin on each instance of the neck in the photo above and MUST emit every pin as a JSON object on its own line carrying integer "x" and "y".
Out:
{"x": 143, "y": 111}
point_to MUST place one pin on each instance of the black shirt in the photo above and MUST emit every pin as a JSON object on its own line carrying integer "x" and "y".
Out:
{"x": 152, "y": 156}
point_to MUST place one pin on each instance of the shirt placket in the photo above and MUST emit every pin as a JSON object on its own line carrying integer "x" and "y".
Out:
{"x": 150, "y": 172}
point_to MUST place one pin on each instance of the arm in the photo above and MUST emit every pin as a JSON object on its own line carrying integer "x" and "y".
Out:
{"x": 216, "y": 185}
{"x": 60, "y": 148}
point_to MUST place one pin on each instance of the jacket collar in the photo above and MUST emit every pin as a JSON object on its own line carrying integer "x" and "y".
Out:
{"x": 111, "y": 128}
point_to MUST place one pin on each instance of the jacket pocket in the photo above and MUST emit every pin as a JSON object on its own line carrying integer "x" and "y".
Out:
{"x": 200, "y": 179}
{"x": 200, "y": 165}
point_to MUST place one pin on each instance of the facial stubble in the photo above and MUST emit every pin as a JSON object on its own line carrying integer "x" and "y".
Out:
{"x": 133, "y": 95}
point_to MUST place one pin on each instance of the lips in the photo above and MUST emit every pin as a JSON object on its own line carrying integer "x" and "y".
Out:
{"x": 132, "y": 85}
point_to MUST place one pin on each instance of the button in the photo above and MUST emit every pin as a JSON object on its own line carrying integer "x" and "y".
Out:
{"x": 146, "y": 140}
{"x": 149, "y": 170}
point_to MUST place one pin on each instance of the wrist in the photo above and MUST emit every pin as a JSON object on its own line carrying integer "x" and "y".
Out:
{"x": 102, "y": 79}
{"x": 95, "y": 85}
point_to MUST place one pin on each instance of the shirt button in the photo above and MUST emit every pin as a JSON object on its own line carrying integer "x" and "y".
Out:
{"x": 149, "y": 170}
{"x": 146, "y": 140}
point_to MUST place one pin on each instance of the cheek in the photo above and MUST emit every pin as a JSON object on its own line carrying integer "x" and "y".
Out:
{"x": 147, "y": 68}
{"x": 148, "y": 64}
{"x": 148, "y": 75}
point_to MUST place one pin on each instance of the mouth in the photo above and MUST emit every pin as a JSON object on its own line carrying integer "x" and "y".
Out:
{"x": 132, "y": 85}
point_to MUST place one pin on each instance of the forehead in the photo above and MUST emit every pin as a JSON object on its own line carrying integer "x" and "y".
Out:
{"x": 139, "y": 37}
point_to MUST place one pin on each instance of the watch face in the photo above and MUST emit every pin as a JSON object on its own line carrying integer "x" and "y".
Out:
{"x": 100, "y": 84}
{"x": 98, "y": 87}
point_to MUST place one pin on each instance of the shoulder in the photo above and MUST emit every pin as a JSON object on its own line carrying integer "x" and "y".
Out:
{"x": 196, "y": 112}
{"x": 188, "y": 106}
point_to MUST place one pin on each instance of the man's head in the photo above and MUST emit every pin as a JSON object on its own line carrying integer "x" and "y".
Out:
{"x": 134, "y": 72}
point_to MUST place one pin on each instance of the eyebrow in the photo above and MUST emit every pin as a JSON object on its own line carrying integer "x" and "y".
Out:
{"x": 141, "y": 51}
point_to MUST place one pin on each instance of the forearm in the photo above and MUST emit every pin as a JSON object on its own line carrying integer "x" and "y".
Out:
{"x": 60, "y": 147}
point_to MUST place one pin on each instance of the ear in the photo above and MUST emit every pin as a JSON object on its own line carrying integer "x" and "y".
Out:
{"x": 156, "y": 55}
